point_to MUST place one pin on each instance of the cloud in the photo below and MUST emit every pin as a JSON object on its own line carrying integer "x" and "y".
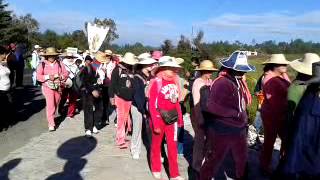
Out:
{"x": 283, "y": 23}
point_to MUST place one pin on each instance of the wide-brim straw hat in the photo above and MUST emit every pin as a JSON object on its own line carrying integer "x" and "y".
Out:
{"x": 206, "y": 65}
{"x": 129, "y": 58}
{"x": 101, "y": 57}
{"x": 108, "y": 52}
{"x": 304, "y": 65}
{"x": 51, "y": 51}
{"x": 146, "y": 59}
{"x": 277, "y": 59}
{"x": 238, "y": 61}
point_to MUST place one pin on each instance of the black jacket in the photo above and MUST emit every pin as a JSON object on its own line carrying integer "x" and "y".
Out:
{"x": 89, "y": 79}
{"x": 121, "y": 83}
{"x": 139, "y": 96}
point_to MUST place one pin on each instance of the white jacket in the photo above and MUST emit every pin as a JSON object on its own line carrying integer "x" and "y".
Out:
{"x": 35, "y": 60}
{"x": 4, "y": 78}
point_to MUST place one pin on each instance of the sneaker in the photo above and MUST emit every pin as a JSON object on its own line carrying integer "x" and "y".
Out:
{"x": 88, "y": 133}
{"x": 95, "y": 130}
{"x": 51, "y": 128}
{"x": 135, "y": 156}
{"x": 157, "y": 175}
{"x": 177, "y": 178}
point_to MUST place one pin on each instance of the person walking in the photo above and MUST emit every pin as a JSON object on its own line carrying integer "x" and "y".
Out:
{"x": 100, "y": 64}
{"x": 274, "y": 108}
{"x": 166, "y": 116}
{"x": 139, "y": 104}
{"x": 227, "y": 118}
{"x": 52, "y": 76}
{"x": 206, "y": 69}
{"x": 91, "y": 97}
{"x": 68, "y": 93}
{"x": 303, "y": 122}
{"x": 5, "y": 96}
{"x": 121, "y": 91}
{"x": 35, "y": 61}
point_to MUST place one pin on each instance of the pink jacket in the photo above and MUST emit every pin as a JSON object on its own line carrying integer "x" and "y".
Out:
{"x": 55, "y": 69}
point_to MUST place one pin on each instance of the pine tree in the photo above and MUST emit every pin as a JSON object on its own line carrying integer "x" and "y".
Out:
{"x": 5, "y": 21}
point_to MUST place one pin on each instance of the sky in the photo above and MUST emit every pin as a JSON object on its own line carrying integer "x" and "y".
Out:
{"x": 151, "y": 22}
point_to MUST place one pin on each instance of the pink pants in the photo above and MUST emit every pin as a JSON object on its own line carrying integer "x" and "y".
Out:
{"x": 169, "y": 131}
{"x": 123, "y": 119}
{"x": 52, "y": 102}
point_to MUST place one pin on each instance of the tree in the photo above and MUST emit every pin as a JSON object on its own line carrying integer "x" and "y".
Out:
{"x": 183, "y": 44}
{"x": 167, "y": 46}
{"x": 5, "y": 22}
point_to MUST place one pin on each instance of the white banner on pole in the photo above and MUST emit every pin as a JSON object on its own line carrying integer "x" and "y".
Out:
{"x": 96, "y": 36}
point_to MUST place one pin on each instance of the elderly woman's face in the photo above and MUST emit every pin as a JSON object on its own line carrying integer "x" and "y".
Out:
{"x": 2, "y": 57}
{"x": 51, "y": 58}
{"x": 281, "y": 69}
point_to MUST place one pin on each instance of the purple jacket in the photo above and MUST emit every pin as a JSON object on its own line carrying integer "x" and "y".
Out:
{"x": 226, "y": 102}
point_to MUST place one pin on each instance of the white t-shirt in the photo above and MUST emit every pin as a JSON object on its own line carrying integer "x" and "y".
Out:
{"x": 4, "y": 78}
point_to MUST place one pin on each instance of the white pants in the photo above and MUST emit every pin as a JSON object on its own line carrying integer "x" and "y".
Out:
{"x": 136, "y": 140}
{"x": 34, "y": 77}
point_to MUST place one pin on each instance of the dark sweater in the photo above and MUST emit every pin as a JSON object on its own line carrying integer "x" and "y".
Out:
{"x": 139, "y": 96}
{"x": 224, "y": 106}
{"x": 89, "y": 79}
{"x": 121, "y": 83}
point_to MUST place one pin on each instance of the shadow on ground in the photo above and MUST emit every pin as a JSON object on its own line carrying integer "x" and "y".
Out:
{"x": 73, "y": 151}
{"x": 7, "y": 167}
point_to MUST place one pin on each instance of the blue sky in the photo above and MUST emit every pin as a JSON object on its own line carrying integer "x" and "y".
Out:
{"x": 150, "y": 21}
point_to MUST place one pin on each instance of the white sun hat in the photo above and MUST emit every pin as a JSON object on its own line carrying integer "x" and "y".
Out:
{"x": 129, "y": 58}
{"x": 168, "y": 61}
{"x": 304, "y": 65}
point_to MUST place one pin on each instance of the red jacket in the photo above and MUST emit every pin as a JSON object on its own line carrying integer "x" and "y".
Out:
{"x": 166, "y": 97}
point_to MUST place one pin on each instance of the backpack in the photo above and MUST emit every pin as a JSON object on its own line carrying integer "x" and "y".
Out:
{"x": 77, "y": 82}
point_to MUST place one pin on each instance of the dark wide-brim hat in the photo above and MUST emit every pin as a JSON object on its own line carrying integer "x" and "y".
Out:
{"x": 238, "y": 61}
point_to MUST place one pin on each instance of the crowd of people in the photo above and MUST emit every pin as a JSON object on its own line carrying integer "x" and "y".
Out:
{"x": 148, "y": 93}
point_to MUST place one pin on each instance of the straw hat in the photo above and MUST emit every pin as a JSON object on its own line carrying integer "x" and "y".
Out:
{"x": 51, "y": 51}
{"x": 108, "y": 52}
{"x": 101, "y": 57}
{"x": 304, "y": 65}
{"x": 277, "y": 59}
{"x": 238, "y": 61}
{"x": 129, "y": 58}
{"x": 179, "y": 60}
{"x": 206, "y": 65}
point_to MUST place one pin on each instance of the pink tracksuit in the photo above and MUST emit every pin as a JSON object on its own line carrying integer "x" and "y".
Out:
{"x": 52, "y": 96}
{"x": 166, "y": 99}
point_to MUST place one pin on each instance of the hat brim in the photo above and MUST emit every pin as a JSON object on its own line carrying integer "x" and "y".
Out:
{"x": 276, "y": 62}
{"x": 51, "y": 54}
{"x": 206, "y": 69}
{"x": 129, "y": 62}
{"x": 147, "y": 62}
{"x": 241, "y": 68}
{"x": 301, "y": 67}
